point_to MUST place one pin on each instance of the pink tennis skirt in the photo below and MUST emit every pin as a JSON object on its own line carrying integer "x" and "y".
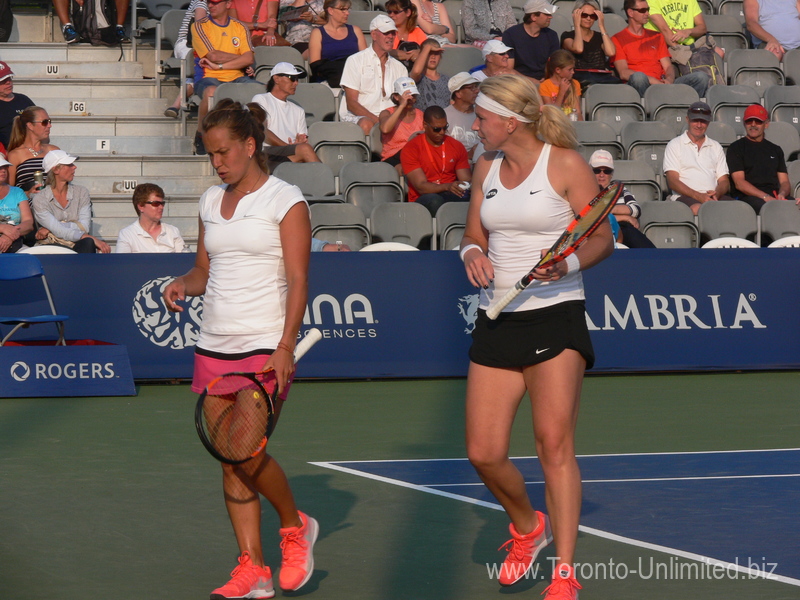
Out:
{"x": 207, "y": 368}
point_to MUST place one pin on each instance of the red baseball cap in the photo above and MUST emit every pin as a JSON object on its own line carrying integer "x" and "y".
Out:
{"x": 5, "y": 71}
{"x": 756, "y": 111}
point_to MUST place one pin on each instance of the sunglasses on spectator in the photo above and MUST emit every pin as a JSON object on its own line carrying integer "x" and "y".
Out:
{"x": 642, "y": 10}
{"x": 754, "y": 122}
{"x": 438, "y": 129}
{"x": 292, "y": 78}
{"x": 341, "y": 8}
{"x": 396, "y": 12}
{"x": 44, "y": 122}
{"x": 603, "y": 170}
{"x": 592, "y": 16}
{"x": 156, "y": 203}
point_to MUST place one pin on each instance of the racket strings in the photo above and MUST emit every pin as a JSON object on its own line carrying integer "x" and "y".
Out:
{"x": 236, "y": 414}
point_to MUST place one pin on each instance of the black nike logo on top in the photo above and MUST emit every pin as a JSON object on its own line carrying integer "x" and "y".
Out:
{"x": 535, "y": 192}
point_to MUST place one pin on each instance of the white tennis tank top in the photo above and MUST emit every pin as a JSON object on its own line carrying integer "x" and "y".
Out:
{"x": 522, "y": 222}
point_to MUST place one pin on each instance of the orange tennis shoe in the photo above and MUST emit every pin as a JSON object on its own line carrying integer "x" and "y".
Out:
{"x": 563, "y": 586}
{"x": 297, "y": 547}
{"x": 523, "y": 550}
{"x": 247, "y": 581}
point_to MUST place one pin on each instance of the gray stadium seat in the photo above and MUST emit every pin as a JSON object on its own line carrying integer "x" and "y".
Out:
{"x": 367, "y": 185}
{"x": 241, "y": 92}
{"x": 596, "y": 135}
{"x": 791, "y": 66}
{"x": 338, "y": 143}
{"x": 728, "y": 103}
{"x": 317, "y": 100}
{"x": 786, "y": 136}
{"x": 759, "y": 69}
{"x": 158, "y": 8}
{"x": 727, "y": 219}
{"x": 613, "y": 104}
{"x": 646, "y": 142}
{"x": 340, "y": 223}
{"x": 451, "y": 219}
{"x": 267, "y": 57}
{"x": 315, "y": 180}
{"x": 404, "y": 222}
{"x": 733, "y": 8}
{"x": 793, "y": 168}
{"x": 669, "y": 224}
{"x": 783, "y": 103}
{"x": 453, "y": 8}
{"x": 459, "y": 58}
{"x": 362, "y": 18}
{"x": 669, "y": 104}
{"x": 722, "y": 133}
{"x": 561, "y": 22}
{"x": 780, "y": 219}
{"x": 639, "y": 178}
{"x": 614, "y": 23}
{"x": 727, "y": 31}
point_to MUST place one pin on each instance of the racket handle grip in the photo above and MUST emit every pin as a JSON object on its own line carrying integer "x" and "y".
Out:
{"x": 312, "y": 337}
{"x": 494, "y": 311}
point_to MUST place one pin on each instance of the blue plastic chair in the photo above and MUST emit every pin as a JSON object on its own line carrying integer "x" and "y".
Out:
{"x": 17, "y": 267}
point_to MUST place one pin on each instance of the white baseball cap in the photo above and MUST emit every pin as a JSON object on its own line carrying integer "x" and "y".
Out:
{"x": 532, "y": 6}
{"x": 601, "y": 158}
{"x": 459, "y": 80}
{"x": 4, "y": 162}
{"x": 55, "y": 158}
{"x": 382, "y": 23}
{"x": 285, "y": 68}
{"x": 405, "y": 84}
{"x": 494, "y": 47}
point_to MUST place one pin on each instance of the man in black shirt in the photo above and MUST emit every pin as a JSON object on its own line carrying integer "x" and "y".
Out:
{"x": 757, "y": 166}
{"x": 11, "y": 104}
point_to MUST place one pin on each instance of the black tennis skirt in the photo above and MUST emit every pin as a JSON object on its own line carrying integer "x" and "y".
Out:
{"x": 519, "y": 339}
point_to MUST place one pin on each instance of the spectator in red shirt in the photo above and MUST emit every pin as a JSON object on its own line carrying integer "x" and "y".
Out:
{"x": 642, "y": 57}
{"x": 436, "y": 166}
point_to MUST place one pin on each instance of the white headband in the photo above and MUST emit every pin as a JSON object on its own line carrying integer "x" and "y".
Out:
{"x": 493, "y": 106}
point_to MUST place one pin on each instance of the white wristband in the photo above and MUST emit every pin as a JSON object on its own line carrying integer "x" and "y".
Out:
{"x": 573, "y": 263}
{"x": 467, "y": 249}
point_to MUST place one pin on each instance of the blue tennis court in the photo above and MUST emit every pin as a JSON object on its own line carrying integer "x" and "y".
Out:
{"x": 736, "y": 510}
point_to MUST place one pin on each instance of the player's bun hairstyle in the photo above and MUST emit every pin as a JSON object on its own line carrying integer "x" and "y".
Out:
{"x": 19, "y": 128}
{"x": 243, "y": 122}
{"x": 519, "y": 94}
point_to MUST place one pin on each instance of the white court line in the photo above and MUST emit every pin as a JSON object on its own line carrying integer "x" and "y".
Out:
{"x": 648, "y": 479}
{"x": 728, "y": 566}
{"x": 388, "y": 460}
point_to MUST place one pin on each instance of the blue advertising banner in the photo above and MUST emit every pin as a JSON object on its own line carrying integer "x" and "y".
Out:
{"x": 409, "y": 314}
{"x": 56, "y": 371}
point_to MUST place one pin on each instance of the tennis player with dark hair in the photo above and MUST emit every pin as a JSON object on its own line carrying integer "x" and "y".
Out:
{"x": 525, "y": 192}
{"x": 252, "y": 265}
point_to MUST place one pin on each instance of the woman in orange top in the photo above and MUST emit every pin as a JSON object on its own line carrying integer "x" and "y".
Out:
{"x": 261, "y": 19}
{"x": 559, "y": 87}
{"x": 404, "y": 15}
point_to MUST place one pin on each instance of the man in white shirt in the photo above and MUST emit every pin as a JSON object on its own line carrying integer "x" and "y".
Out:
{"x": 148, "y": 233}
{"x": 695, "y": 165}
{"x": 369, "y": 77}
{"x": 286, "y": 130}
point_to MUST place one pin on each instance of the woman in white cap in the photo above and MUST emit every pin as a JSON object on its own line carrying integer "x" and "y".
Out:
{"x": 399, "y": 122}
{"x": 27, "y": 147}
{"x": 526, "y": 189}
{"x": 16, "y": 219}
{"x": 63, "y": 209}
{"x": 495, "y": 55}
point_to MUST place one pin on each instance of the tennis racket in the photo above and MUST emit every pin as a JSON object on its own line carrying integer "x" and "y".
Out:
{"x": 234, "y": 415}
{"x": 576, "y": 233}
